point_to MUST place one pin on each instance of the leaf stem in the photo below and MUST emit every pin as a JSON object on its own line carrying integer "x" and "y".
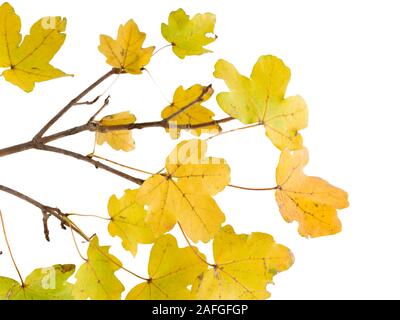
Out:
{"x": 162, "y": 48}
{"x": 119, "y": 265}
{"x": 9, "y": 249}
{"x": 252, "y": 189}
{"x": 194, "y": 249}
{"x": 120, "y": 164}
{"x": 234, "y": 130}
{"x": 76, "y": 243}
{"x": 87, "y": 216}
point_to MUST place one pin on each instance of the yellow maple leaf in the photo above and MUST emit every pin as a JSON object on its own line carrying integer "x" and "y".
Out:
{"x": 244, "y": 265}
{"x": 95, "y": 279}
{"x": 28, "y": 62}
{"x": 194, "y": 113}
{"x": 185, "y": 192}
{"x": 261, "y": 99}
{"x": 42, "y": 284}
{"x": 189, "y": 36}
{"x": 309, "y": 200}
{"x": 118, "y": 139}
{"x": 171, "y": 271}
{"x": 128, "y": 221}
{"x": 126, "y": 53}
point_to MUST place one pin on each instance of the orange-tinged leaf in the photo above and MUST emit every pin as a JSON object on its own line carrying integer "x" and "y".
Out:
{"x": 128, "y": 221}
{"x": 126, "y": 52}
{"x": 196, "y": 113}
{"x": 311, "y": 201}
{"x": 261, "y": 99}
{"x": 189, "y": 36}
{"x": 95, "y": 279}
{"x": 244, "y": 265}
{"x": 184, "y": 193}
{"x": 171, "y": 271}
{"x": 29, "y": 62}
{"x": 117, "y": 139}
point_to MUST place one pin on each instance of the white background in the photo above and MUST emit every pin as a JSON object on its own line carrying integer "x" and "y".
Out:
{"x": 345, "y": 61}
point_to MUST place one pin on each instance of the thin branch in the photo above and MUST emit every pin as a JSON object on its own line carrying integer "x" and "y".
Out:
{"x": 159, "y": 124}
{"x": 95, "y": 163}
{"x": 88, "y": 103}
{"x": 52, "y": 211}
{"x": 252, "y": 189}
{"x": 74, "y": 102}
{"x": 105, "y": 104}
{"x": 98, "y": 128}
{"x": 9, "y": 249}
{"x": 45, "y": 220}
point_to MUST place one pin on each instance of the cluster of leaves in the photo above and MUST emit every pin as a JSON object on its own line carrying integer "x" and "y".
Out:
{"x": 182, "y": 193}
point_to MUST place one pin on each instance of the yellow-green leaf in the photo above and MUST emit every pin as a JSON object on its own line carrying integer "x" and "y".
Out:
{"x": 128, "y": 221}
{"x": 42, "y": 284}
{"x": 29, "y": 62}
{"x": 245, "y": 264}
{"x": 95, "y": 279}
{"x": 126, "y": 52}
{"x": 171, "y": 271}
{"x": 190, "y": 100}
{"x": 261, "y": 99}
{"x": 184, "y": 193}
{"x": 117, "y": 139}
{"x": 189, "y": 36}
{"x": 309, "y": 200}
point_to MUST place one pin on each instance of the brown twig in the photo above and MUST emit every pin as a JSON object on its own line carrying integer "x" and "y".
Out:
{"x": 45, "y": 220}
{"x": 98, "y": 128}
{"x": 160, "y": 124}
{"x": 96, "y": 164}
{"x": 54, "y": 212}
{"x": 88, "y": 103}
{"x": 105, "y": 104}
{"x": 74, "y": 102}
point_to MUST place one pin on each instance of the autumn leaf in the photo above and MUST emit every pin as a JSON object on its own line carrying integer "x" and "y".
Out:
{"x": 117, "y": 139}
{"x": 128, "y": 221}
{"x": 171, "y": 271}
{"x": 244, "y": 265}
{"x": 309, "y": 200}
{"x": 126, "y": 52}
{"x": 184, "y": 193}
{"x": 29, "y": 62}
{"x": 95, "y": 279}
{"x": 189, "y": 36}
{"x": 190, "y": 101}
{"x": 42, "y": 284}
{"x": 261, "y": 99}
